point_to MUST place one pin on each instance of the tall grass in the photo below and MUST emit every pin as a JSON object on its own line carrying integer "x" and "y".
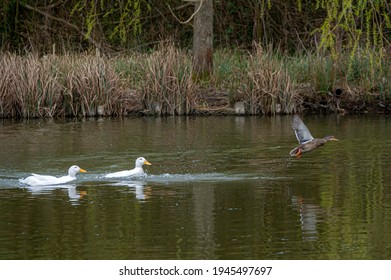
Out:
{"x": 91, "y": 86}
{"x": 228, "y": 73}
{"x": 268, "y": 87}
{"x": 160, "y": 83}
{"x": 52, "y": 86}
{"x": 167, "y": 87}
{"x": 6, "y": 99}
{"x": 28, "y": 89}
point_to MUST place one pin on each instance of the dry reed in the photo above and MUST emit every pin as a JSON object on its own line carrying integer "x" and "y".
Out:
{"x": 167, "y": 87}
{"x": 268, "y": 88}
{"x": 92, "y": 87}
{"x": 51, "y": 86}
{"x": 29, "y": 88}
{"x": 160, "y": 83}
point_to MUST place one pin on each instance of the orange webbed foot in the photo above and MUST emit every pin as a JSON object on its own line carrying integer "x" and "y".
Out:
{"x": 299, "y": 154}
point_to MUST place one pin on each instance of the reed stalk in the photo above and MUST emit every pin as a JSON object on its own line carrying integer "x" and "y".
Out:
{"x": 268, "y": 88}
{"x": 160, "y": 83}
{"x": 167, "y": 87}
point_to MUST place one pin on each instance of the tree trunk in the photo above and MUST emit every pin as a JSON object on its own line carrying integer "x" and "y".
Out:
{"x": 203, "y": 39}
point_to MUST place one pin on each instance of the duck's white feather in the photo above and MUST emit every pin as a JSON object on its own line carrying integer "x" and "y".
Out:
{"x": 135, "y": 172}
{"x": 44, "y": 180}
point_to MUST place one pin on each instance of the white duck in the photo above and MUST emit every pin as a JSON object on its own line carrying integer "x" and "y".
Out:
{"x": 44, "y": 180}
{"x": 135, "y": 172}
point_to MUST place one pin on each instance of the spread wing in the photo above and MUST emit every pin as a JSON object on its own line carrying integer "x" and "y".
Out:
{"x": 303, "y": 134}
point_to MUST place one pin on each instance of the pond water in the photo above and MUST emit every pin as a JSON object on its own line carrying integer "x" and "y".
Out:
{"x": 218, "y": 188}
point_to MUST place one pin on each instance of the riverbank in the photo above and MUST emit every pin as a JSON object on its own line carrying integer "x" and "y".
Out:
{"x": 161, "y": 83}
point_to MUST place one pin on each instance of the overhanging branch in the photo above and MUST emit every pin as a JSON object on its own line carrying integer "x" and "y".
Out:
{"x": 92, "y": 41}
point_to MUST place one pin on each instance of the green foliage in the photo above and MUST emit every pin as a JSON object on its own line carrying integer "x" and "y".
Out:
{"x": 127, "y": 12}
{"x": 299, "y": 5}
{"x": 289, "y": 25}
{"x": 353, "y": 26}
{"x": 346, "y": 21}
{"x": 129, "y": 20}
{"x": 91, "y": 19}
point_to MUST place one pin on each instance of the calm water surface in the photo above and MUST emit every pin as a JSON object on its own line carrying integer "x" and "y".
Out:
{"x": 218, "y": 188}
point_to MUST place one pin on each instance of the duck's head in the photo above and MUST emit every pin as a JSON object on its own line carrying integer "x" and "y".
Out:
{"x": 141, "y": 161}
{"x": 74, "y": 169}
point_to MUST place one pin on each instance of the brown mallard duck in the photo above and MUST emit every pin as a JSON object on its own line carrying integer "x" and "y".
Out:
{"x": 307, "y": 143}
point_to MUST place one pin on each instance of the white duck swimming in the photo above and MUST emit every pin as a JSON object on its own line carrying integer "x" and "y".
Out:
{"x": 135, "y": 172}
{"x": 44, "y": 180}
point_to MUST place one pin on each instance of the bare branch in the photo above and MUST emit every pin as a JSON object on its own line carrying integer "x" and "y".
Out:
{"x": 92, "y": 41}
{"x": 191, "y": 17}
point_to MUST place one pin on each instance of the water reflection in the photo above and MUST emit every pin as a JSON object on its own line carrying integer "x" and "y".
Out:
{"x": 204, "y": 220}
{"x": 74, "y": 195}
{"x": 309, "y": 217}
{"x": 141, "y": 190}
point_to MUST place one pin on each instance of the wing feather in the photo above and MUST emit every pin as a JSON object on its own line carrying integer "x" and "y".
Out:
{"x": 302, "y": 133}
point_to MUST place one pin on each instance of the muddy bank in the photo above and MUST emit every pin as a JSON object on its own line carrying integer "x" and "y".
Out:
{"x": 209, "y": 102}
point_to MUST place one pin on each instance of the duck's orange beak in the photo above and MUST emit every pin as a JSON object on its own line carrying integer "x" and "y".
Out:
{"x": 147, "y": 163}
{"x": 82, "y": 170}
